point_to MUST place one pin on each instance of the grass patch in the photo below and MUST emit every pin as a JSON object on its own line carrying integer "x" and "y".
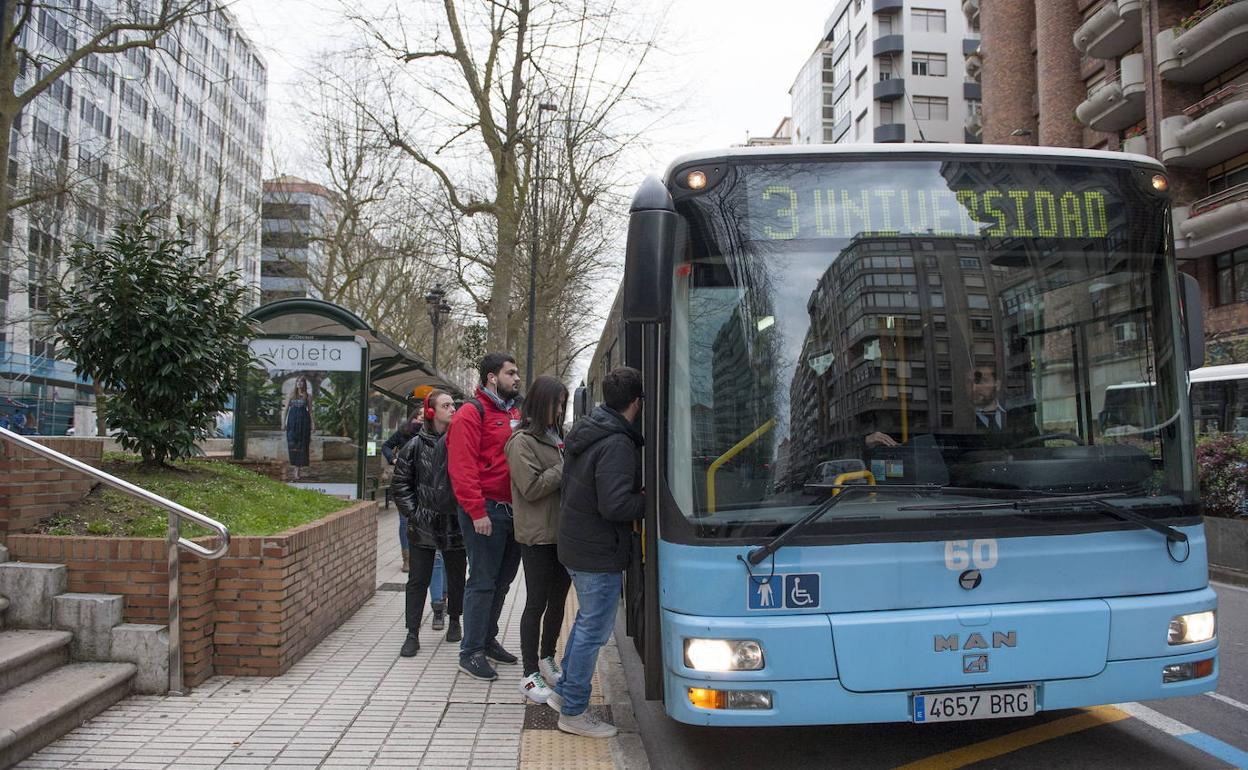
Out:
{"x": 246, "y": 502}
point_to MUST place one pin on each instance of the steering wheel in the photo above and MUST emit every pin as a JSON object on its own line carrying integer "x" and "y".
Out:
{"x": 1043, "y": 437}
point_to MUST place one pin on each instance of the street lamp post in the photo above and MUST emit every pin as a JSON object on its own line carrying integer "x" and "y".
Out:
{"x": 534, "y": 242}
{"x": 439, "y": 309}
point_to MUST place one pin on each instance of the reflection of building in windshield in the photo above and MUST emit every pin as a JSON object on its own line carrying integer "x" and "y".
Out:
{"x": 895, "y": 323}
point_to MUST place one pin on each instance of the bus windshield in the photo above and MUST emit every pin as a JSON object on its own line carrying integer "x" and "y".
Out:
{"x": 987, "y": 327}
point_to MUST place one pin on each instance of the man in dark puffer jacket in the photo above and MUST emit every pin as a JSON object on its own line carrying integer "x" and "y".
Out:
{"x": 601, "y": 499}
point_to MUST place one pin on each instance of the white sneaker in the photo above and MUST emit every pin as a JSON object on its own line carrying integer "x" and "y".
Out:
{"x": 555, "y": 701}
{"x": 533, "y": 688}
{"x": 586, "y": 724}
{"x": 550, "y": 670}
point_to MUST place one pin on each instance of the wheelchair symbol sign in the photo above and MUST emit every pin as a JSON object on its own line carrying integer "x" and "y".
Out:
{"x": 801, "y": 591}
{"x": 794, "y": 592}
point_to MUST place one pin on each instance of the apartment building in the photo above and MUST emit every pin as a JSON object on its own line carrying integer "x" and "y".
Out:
{"x": 891, "y": 71}
{"x": 1166, "y": 78}
{"x": 295, "y": 211}
{"x": 177, "y": 130}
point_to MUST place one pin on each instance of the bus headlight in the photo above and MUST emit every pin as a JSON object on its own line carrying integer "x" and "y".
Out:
{"x": 723, "y": 654}
{"x": 1196, "y": 627}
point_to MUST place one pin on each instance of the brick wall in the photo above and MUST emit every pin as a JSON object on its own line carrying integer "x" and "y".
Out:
{"x": 278, "y": 596}
{"x": 256, "y": 611}
{"x": 32, "y": 487}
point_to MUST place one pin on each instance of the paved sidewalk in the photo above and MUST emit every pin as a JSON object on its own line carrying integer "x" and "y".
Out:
{"x": 352, "y": 702}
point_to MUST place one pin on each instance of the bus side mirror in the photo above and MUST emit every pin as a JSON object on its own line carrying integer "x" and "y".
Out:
{"x": 1193, "y": 321}
{"x": 648, "y": 256}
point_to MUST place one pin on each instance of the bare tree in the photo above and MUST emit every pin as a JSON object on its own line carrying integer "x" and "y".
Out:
{"x": 464, "y": 80}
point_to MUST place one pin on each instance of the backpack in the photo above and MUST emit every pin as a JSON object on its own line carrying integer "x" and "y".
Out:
{"x": 441, "y": 495}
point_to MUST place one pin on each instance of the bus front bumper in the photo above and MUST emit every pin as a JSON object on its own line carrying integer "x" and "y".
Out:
{"x": 826, "y": 701}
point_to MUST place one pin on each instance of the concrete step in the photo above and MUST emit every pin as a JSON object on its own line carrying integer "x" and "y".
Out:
{"x": 30, "y": 588}
{"x": 4, "y": 605}
{"x": 25, "y": 655}
{"x": 34, "y": 714}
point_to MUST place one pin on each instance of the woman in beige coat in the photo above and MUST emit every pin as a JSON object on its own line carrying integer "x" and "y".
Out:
{"x": 535, "y": 459}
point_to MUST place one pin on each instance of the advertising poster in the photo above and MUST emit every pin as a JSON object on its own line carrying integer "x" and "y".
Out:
{"x": 303, "y": 411}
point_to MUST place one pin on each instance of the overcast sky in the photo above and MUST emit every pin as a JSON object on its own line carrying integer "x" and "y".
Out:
{"x": 737, "y": 57}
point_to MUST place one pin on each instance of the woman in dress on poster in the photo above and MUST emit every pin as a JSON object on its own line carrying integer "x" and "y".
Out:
{"x": 299, "y": 426}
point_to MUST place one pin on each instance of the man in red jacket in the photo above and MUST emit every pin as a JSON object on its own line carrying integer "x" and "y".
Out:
{"x": 482, "y": 486}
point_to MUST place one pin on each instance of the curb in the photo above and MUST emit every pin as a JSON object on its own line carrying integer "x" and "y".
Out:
{"x": 1228, "y": 575}
{"x": 627, "y": 750}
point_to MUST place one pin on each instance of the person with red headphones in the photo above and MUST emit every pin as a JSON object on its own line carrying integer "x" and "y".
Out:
{"x": 430, "y": 530}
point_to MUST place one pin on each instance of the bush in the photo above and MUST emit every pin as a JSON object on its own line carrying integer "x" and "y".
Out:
{"x": 1223, "y": 463}
{"x": 159, "y": 330}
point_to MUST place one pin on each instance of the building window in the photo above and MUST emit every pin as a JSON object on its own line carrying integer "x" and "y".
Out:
{"x": 828, "y": 70}
{"x": 931, "y": 64}
{"x": 1232, "y": 270}
{"x": 1227, "y": 178}
{"x": 860, "y": 40}
{"x": 860, "y": 126}
{"x": 886, "y": 68}
{"x": 886, "y": 25}
{"x": 927, "y": 20}
{"x": 885, "y": 111}
{"x": 860, "y": 83}
{"x": 931, "y": 108}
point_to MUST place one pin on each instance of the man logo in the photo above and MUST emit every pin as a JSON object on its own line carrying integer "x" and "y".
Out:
{"x": 970, "y": 579}
{"x": 974, "y": 664}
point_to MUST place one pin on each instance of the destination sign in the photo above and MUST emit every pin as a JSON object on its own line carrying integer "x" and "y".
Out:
{"x": 784, "y": 212}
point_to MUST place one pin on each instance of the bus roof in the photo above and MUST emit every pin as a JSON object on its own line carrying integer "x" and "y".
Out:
{"x": 890, "y": 151}
{"x": 1215, "y": 373}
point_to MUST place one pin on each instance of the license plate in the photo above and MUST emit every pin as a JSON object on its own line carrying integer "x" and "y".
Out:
{"x": 974, "y": 704}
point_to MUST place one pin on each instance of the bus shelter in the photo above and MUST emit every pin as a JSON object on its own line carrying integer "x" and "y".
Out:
{"x": 327, "y": 390}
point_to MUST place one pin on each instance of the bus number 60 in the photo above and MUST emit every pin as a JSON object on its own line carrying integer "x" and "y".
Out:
{"x": 961, "y": 554}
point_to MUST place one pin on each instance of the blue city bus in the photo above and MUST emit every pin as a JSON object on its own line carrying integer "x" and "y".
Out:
{"x": 879, "y": 483}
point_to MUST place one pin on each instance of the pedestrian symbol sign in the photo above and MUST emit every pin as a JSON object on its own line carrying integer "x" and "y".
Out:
{"x": 789, "y": 591}
{"x": 766, "y": 593}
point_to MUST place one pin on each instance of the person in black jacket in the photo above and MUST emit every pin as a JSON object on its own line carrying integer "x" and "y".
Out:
{"x": 602, "y": 497}
{"x": 390, "y": 451}
{"x": 428, "y": 530}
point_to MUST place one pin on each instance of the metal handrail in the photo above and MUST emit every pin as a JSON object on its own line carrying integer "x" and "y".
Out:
{"x": 1218, "y": 199}
{"x": 173, "y": 538}
{"x": 1215, "y": 98}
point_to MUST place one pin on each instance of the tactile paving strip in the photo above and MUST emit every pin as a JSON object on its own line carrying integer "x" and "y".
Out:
{"x": 553, "y": 750}
{"x": 538, "y": 717}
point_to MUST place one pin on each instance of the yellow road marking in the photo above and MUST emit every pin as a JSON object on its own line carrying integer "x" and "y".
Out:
{"x": 995, "y": 747}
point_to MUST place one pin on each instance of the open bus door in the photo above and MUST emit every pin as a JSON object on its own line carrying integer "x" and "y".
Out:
{"x": 646, "y": 309}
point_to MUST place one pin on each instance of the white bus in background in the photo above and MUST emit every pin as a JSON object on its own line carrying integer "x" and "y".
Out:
{"x": 1219, "y": 396}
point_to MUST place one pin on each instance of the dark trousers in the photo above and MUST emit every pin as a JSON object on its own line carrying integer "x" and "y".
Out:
{"x": 546, "y": 582}
{"x": 493, "y": 562}
{"x": 420, "y": 572}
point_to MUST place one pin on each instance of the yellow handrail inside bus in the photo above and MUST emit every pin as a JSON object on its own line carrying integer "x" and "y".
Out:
{"x": 852, "y": 476}
{"x": 726, "y": 456}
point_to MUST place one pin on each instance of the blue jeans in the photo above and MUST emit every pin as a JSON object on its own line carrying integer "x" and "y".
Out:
{"x": 403, "y": 541}
{"x": 492, "y": 564}
{"x": 598, "y": 594}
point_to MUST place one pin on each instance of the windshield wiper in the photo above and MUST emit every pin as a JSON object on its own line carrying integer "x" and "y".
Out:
{"x": 1100, "y": 503}
{"x": 762, "y": 552}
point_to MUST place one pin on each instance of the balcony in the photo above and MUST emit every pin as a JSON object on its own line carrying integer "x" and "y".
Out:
{"x": 974, "y": 122}
{"x": 1111, "y": 31}
{"x": 888, "y": 90}
{"x": 886, "y": 6}
{"x": 888, "y": 44}
{"x": 1210, "y": 131}
{"x": 973, "y": 91}
{"x": 1137, "y": 144}
{"x": 970, "y": 8}
{"x": 1213, "y": 224}
{"x": 1213, "y": 41}
{"x": 1116, "y": 103}
{"x": 890, "y": 133}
